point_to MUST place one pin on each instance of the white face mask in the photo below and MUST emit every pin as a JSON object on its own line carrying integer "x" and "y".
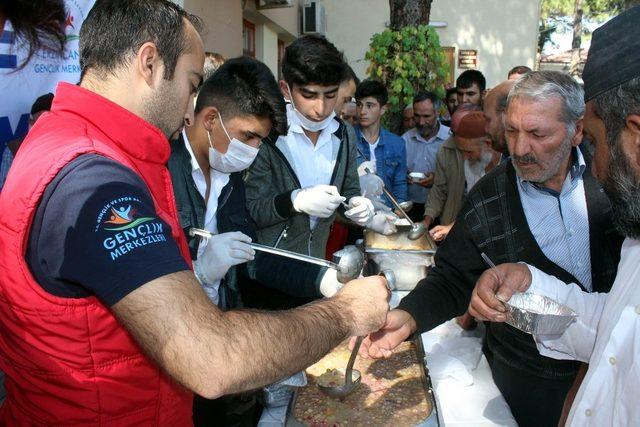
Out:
{"x": 239, "y": 155}
{"x": 297, "y": 117}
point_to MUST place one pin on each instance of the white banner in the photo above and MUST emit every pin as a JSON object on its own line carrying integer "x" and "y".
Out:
{"x": 19, "y": 89}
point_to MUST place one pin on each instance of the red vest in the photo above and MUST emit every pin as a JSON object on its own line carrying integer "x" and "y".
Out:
{"x": 68, "y": 361}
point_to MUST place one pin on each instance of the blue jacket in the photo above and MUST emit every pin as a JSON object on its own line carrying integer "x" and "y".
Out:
{"x": 391, "y": 162}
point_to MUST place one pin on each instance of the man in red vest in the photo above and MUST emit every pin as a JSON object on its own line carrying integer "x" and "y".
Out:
{"x": 103, "y": 322}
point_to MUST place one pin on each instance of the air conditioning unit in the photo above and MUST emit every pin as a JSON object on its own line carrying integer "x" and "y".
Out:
{"x": 314, "y": 20}
{"x": 274, "y": 4}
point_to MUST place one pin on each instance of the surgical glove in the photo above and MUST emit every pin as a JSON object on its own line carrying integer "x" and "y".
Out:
{"x": 318, "y": 200}
{"x": 223, "y": 251}
{"x": 383, "y": 223}
{"x": 361, "y": 211}
{"x": 372, "y": 185}
{"x": 379, "y": 205}
{"x": 329, "y": 284}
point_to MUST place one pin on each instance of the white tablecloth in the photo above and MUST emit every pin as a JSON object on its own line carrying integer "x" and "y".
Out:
{"x": 461, "y": 404}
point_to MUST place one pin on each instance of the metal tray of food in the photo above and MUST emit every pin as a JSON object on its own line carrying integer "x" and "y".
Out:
{"x": 431, "y": 420}
{"x": 398, "y": 241}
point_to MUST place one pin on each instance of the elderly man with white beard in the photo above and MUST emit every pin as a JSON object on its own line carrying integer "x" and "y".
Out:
{"x": 607, "y": 330}
{"x": 544, "y": 208}
{"x": 462, "y": 160}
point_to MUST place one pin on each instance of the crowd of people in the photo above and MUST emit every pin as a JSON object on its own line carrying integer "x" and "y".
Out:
{"x": 116, "y": 311}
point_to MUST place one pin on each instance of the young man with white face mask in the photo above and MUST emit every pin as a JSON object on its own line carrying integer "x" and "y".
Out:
{"x": 237, "y": 107}
{"x": 300, "y": 180}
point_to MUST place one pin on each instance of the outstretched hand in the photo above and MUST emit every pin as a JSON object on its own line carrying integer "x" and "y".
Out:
{"x": 398, "y": 326}
{"x": 495, "y": 286}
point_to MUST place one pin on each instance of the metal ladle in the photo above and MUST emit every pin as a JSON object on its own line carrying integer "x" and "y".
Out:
{"x": 348, "y": 262}
{"x": 417, "y": 229}
{"x": 353, "y": 377}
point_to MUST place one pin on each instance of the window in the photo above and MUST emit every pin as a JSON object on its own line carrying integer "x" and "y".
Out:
{"x": 280, "y": 56}
{"x": 248, "y": 38}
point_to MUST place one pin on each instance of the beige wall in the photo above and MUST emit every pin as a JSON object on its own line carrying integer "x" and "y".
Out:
{"x": 350, "y": 25}
{"x": 504, "y": 32}
{"x": 223, "y": 24}
{"x": 267, "y": 46}
{"x": 223, "y": 27}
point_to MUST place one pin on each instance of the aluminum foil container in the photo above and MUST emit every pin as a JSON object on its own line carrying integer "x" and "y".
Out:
{"x": 537, "y": 314}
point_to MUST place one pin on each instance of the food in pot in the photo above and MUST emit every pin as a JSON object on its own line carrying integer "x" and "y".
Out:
{"x": 391, "y": 392}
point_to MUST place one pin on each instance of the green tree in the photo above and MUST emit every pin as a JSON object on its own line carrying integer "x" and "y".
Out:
{"x": 407, "y": 57}
{"x": 569, "y": 15}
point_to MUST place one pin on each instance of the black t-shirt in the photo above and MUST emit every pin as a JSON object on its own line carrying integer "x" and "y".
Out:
{"x": 96, "y": 232}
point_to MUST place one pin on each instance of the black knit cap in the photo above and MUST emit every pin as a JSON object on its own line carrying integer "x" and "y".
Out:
{"x": 614, "y": 56}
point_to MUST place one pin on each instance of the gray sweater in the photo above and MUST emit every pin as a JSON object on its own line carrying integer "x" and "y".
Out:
{"x": 269, "y": 183}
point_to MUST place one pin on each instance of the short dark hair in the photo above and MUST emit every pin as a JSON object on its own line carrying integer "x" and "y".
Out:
{"x": 374, "y": 89}
{"x": 519, "y": 69}
{"x": 451, "y": 91}
{"x": 244, "y": 86}
{"x": 114, "y": 29}
{"x": 37, "y": 25}
{"x": 427, "y": 95}
{"x": 350, "y": 75}
{"x": 469, "y": 77}
{"x": 42, "y": 103}
{"x": 313, "y": 59}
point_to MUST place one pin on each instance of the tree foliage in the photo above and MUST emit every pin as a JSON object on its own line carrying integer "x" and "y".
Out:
{"x": 559, "y": 15}
{"x": 406, "y": 61}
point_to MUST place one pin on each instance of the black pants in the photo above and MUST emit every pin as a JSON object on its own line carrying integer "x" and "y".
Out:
{"x": 534, "y": 401}
{"x": 228, "y": 411}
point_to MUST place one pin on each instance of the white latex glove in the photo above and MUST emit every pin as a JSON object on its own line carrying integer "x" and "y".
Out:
{"x": 361, "y": 211}
{"x": 383, "y": 223}
{"x": 329, "y": 284}
{"x": 371, "y": 185}
{"x": 318, "y": 200}
{"x": 379, "y": 205}
{"x": 222, "y": 252}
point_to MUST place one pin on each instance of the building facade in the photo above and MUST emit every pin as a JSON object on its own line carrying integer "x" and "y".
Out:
{"x": 490, "y": 35}
{"x": 495, "y": 34}
{"x": 247, "y": 27}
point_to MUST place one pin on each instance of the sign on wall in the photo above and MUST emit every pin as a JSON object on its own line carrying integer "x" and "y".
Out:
{"x": 468, "y": 58}
{"x": 20, "y": 88}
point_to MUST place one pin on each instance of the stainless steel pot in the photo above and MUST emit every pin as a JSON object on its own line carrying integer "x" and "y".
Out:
{"x": 408, "y": 267}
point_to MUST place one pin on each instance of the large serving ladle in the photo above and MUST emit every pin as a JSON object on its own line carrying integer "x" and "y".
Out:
{"x": 353, "y": 377}
{"x": 417, "y": 229}
{"x": 348, "y": 262}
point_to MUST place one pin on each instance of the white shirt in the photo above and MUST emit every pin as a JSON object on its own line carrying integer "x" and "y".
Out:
{"x": 372, "y": 153}
{"x": 607, "y": 336}
{"x": 313, "y": 164}
{"x": 218, "y": 181}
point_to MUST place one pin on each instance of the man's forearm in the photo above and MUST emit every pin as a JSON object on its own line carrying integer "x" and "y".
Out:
{"x": 214, "y": 353}
{"x": 289, "y": 342}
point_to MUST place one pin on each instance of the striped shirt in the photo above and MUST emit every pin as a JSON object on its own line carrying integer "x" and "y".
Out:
{"x": 421, "y": 157}
{"x": 560, "y": 222}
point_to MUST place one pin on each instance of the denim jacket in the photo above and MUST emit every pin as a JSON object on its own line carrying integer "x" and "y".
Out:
{"x": 391, "y": 162}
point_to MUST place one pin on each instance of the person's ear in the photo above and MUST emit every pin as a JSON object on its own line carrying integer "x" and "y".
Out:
{"x": 210, "y": 116}
{"x": 578, "y": 136}
{"x": 632, "y": 131}
{"x": 383, "y": 109}
{"x": 284, "y": 88}
{"x": 148, "y": 63}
